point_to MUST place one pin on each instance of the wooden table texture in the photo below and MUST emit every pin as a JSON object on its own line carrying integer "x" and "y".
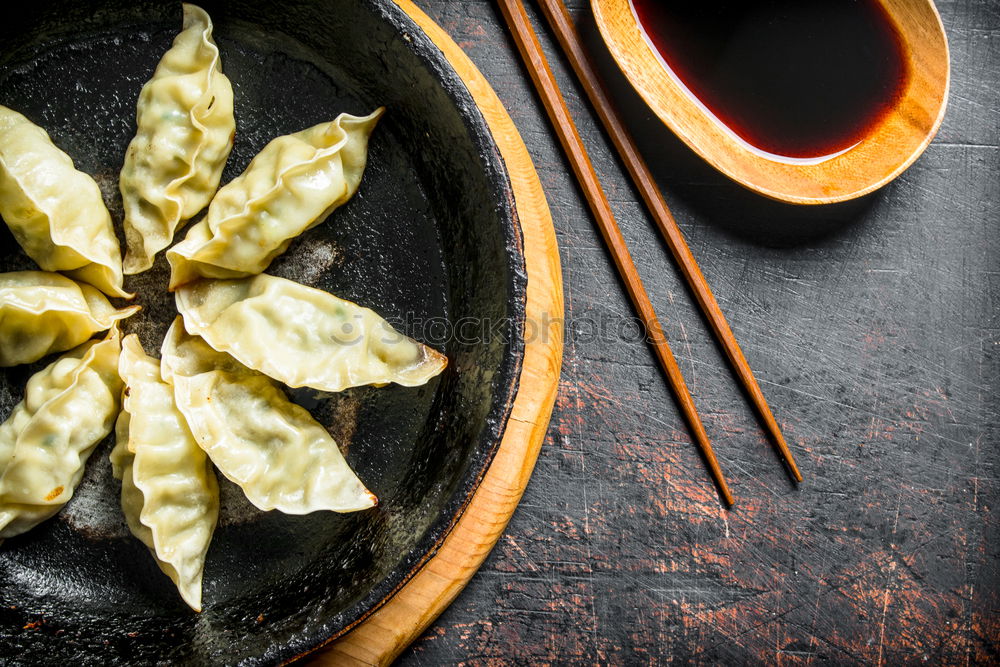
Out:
{"x": 873, "y": 329}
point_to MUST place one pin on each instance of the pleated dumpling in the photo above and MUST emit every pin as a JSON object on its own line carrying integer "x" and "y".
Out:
{"x": 302, "y": 336}
{"x": 290, "y": 186}
{"x": 43, "y": 312}
{"x": 54, "y": 211}
{"x": 169, "y": 492}
{"x": 272, "y": 448}
{"x": 68, "y": 408}
{"x": 185, "y": 133}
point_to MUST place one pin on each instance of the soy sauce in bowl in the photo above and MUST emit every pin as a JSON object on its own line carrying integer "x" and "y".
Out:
{"x": 793, "y": 80}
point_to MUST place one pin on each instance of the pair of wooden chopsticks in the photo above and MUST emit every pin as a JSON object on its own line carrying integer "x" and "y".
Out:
{"x": 545, "y": 83}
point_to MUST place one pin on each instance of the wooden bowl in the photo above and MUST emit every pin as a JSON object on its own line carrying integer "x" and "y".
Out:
{"x": 889, "y": 148}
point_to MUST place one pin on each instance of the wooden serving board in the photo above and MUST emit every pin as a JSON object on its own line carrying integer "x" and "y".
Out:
{"x": 383, "y": 635}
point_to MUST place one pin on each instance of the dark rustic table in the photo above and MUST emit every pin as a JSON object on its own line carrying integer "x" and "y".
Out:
{"x": 873, "y": 330}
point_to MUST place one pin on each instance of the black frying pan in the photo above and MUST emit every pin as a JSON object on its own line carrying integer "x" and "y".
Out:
{"x": 430, "y": 241}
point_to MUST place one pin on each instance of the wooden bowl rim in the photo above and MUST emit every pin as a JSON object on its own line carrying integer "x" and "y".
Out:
{"x": 901, "y": 137}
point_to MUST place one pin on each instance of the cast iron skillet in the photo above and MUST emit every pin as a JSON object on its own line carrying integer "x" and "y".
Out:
{"x": 430, "y": 241}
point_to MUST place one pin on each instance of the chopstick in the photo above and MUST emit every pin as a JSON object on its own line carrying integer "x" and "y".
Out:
{"x": 569, "y": 137}
{"x": 562, "y": 25}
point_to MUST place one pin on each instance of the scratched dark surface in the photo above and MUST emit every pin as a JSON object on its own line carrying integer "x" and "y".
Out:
{"x": 873, "y": 331}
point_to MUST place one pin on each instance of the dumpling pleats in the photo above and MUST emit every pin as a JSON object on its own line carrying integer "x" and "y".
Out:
{"x": 272, "y": 448}
{"x": 68, "y": 408}
{"x": 293, "y": 184}
{"x": 43, "y": 312}
{"x": 169, "y": 492}
{"x": 55, "y": 212}
{"x": 303, "y": 337}
{"x": 185, "y": 133}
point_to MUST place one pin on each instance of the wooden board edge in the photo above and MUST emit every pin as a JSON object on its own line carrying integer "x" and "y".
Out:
{"x": 386, "y": 633}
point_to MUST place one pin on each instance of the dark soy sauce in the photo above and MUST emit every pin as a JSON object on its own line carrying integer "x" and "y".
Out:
{"x": 794, "y": 78}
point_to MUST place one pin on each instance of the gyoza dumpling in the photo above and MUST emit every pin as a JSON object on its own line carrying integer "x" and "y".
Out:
{"x": 185, "y": 132}
{"x": 68, "y": 408}
{"x": 42, "y": 313}
{"x": 290, "y": 186}
{"x": 302, "y": 336}
{"x": 169, "y": 493}
{"x": 272, "y": 448}
{"x": 55, "y": 212}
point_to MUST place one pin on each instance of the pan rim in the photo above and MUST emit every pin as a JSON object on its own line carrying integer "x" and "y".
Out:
{"x": 506, "y": 382}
